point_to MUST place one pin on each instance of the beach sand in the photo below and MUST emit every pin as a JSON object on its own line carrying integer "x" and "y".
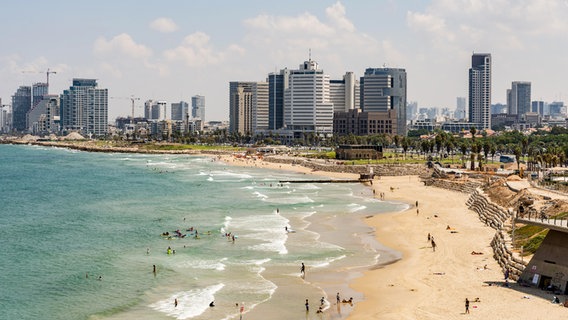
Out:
{"x": 414, "y": 282}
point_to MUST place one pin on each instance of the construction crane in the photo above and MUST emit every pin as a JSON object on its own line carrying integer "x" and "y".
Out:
{"x": 48, "y": 72}
{"x": 132, "y": 98}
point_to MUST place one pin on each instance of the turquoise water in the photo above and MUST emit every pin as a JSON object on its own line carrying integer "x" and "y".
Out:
{"x": 80, "y": 233}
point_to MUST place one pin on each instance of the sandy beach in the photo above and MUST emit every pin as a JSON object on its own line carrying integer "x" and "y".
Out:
{"x": 428, "y": 284}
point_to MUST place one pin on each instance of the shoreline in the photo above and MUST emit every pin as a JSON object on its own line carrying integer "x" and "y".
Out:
{"x": 410, "y": 280}
{"x": 420, "y": 283}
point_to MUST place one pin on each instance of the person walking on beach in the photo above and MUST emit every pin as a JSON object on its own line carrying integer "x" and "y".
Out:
{"x": 303, "y": 270}
{"x": 428, "y": 236}
{"x": 338, "y": 298}
{"x": 466, "y": 305}
{"x": 433, "y": 245}
{"x": 307, "y": 306}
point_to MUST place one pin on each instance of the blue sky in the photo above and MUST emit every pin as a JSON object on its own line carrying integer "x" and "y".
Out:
{"x": 172, "y": 50}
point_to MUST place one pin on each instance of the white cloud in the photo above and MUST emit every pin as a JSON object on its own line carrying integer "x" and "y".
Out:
{"x": 336, "y": 13}
{"x": 334, "y": 41}
{"x": 196, "y": 50}
{"x": 121, "y": 44}
{"x": 305, "y": 23}
{"x": 165, "y": 25}
{"x": 434, "y": 25}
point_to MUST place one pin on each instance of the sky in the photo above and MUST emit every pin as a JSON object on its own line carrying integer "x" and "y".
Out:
{"x": 174, "y": 49}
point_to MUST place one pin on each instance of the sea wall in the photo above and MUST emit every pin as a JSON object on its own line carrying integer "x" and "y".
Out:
{"x": 499, "y": 219}
{"x": 468, "y": 187}
{"x": 332, "y": 166}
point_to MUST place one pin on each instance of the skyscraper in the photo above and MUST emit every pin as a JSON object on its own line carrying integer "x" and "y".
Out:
{"x": 277, "y": 83}
{"x": 480, "y": 90}
{"x": 344, "y": 93}
{"x": 384, "y": 89}
{"x": 39, "y": 90}
{"x": 460, "y": 108}
{"x": 307, "y": 105}
{"x": 179, "y": 110}
{"x": 519, "y": 98}
{"x": 240, "y": 107}
{"x": 84, "y": 108}
{"x": 259, "y": 107}
{"x": 21, "y": 104}
{"x": 198, "y": 107}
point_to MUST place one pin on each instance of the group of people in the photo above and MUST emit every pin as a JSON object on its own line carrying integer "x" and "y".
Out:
{"x": 432, "y": 242}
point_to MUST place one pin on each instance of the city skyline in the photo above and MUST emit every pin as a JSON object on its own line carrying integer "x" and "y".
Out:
{"x": 176, "y": 51}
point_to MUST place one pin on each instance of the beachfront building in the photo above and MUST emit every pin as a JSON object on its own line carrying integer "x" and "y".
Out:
{"x": 84, "y": 108}
{"x": 39, "y": 90}
{"x": 277, "y": 84}
{"x": 259, "y": 107}
{"x": 480, "y": 91}
{"x": 198, "y": 107}
{"x": 179, "y": 111}
{"x": 21, "y": 104}
{"x": 383, "y": 90}
{"x": 344, "y": 93}
{"x": 241, "y": 102}
{"x": 307, "y": 105}
{"x": 361, "y": 123}
{"x": 519, "y": 99}
{"x": 356, "y": 152}
{"x": 44, "y": 116}
{"x": 460, "y": 112}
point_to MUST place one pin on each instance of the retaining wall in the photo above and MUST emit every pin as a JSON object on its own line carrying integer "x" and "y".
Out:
{"x": 380, "y": 170}
{"x": 499, "y": 219}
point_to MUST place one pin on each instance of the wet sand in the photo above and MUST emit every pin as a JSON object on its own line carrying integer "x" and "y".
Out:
{"x": 412, "y": 281}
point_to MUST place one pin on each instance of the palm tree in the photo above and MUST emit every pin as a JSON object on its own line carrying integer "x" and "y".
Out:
{"x": 517, "y": 152}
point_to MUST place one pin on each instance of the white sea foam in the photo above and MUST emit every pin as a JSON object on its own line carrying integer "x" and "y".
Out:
{"x": 229, "y": 174}
{"x": 308, "y": 186}
{"x": 290, "y": 200}
{"x": 326, "y": 262}
{"x": 354, "y": 207}
{"x": 260, "y": 195}
{"x": 267, "y": 228}
{"x": 204, "y": 264}
{"x": 190, "y": 303}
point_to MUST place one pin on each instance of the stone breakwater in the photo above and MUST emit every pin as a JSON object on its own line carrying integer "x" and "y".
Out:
{"x": 332, "y": 166}
{"x": 460, "y": 186}
{"x": 500, "y": 219}
{"x": 88, "y": 147}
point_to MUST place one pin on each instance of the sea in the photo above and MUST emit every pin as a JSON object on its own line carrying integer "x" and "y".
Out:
{"x": 135, "y": 236}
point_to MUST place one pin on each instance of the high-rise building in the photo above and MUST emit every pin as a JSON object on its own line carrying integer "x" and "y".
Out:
{"x": 480, "y": 90}
{"x": 307, "y": 105}
{"x": 556, "y": 109}
{"x": 179, "y": 110}
{"x": 21, "y": 104}
{"x": 538, "y": 107}
{"x": 519, "y": 98}
{"x": 198, "y": 107}
{"x": 240, "y": 106}
{"x": 44, "y": 116}
{"x": 84, "y": 108}
{"x": 412, "y": 110}
{"x": 277, "y": 83}
{"x": 384, "y": 89}
{"x": 259, "y": 107}
{"x": 344, "y": 93}
{"x": 148, "y": 109}
{"x": 460, "y": 108}
{"x": 161, "y": 110}
{"x": 39, "y": 90}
